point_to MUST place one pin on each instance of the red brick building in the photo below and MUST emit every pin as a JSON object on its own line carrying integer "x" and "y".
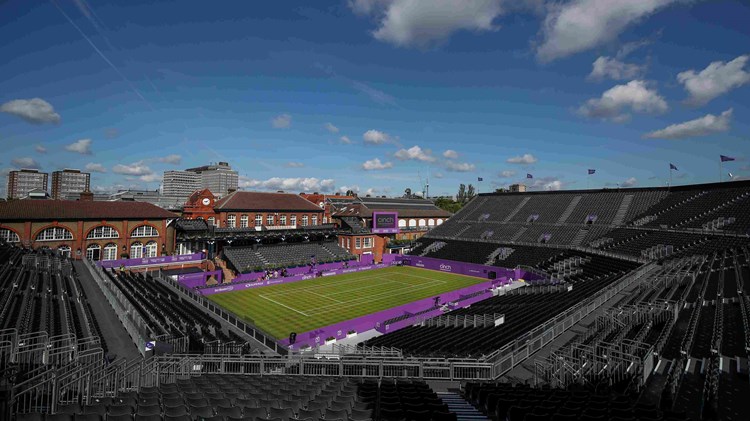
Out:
{"x": 329, "y": 203}
{"x": 83, "y": 228}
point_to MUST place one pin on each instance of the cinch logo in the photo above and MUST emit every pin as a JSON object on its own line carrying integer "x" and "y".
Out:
{"x": 385, "y": 220}
{"x": 446, "y": 268}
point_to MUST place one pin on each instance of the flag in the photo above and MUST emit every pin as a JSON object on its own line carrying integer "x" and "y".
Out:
{"x": 730, "y": 175}
{"x": 592, "y": 172}
{"x": 529, "y": 176}
{"x": 672, "y": 167}
{"x": 479, "y": 179}
{"x": 725, "y": 158}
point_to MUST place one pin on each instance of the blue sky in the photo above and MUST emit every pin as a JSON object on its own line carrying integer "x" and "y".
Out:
{"x": 374, "y": 94}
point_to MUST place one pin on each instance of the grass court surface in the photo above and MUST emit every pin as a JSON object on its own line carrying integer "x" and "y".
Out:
{"x": 305, "y": 305}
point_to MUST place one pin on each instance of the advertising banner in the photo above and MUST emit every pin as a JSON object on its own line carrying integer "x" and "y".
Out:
{"x": 148, "y": 261}
{"x": 385, "y": 223}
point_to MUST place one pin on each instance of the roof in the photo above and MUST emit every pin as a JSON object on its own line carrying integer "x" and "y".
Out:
{"x": 406, "y": 208}
{"x": 60, "y": 210}
{"x": 262, "y": 201}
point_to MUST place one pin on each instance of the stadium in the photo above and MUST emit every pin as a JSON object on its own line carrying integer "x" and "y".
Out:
{"x": 597, "y": 304}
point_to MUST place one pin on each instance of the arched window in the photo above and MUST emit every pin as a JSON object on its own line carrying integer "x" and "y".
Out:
{"x": 231, "y": 221}
{"x": 94, "y": 252}
{"x": 145, "y": 231}
{"x": 304, "y": 220}
{"x": 439, "y": 221}
{"x": 422, "y": 222}
{"x": 8, "y": 236}
{"x": 430, "y": 222}
{"x": 110, "y": 252}
{"x": 315, "y": 220}
{"x": 402, "y": 223}
{"x": 150, "y": 249}
{"x": 412, "y": 223}
{"x": 102, "y": 232}
{"x": 258, "y": 220}
{"x": 54, "y": 234}
{"x": 136, "y": 250}
{"x": 269, "y": 220}
{"x": 64, "y": 251}
{"x": 243, "y": 221}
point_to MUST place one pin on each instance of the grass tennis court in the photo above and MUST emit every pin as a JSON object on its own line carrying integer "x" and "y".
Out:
{"x": 305, "y": 305}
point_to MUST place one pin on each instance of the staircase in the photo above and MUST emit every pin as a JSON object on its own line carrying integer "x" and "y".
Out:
{"x": 478, "y": 206}
{"x": 569, "y": 209}
{"x": 463, "y": 230}
{"x": 578, "y": 239}
{"x": 518, "y": 234}
{"x": 462, "y": 409}
{"x": 623, "y": 210}
{"x": 517, "y": 209}
{"x": 228, "y": 276}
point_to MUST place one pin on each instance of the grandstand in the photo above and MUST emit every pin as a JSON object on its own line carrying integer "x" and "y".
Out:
{"x": 642, "y": 311}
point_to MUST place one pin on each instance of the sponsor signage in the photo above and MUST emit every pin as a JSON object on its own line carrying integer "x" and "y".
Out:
{"x": 385, "y": 223}
{"x": 196, "y": 257}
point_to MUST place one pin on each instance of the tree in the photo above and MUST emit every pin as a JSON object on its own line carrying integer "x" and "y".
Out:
{"x": 350, "y": 193}
{"x": 447, "y": 204}
{"x": 470, "y": 193}
{"x": 461, "y": 196}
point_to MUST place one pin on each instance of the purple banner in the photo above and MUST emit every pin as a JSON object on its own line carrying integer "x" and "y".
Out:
{"x": 198, "y": 279}
{"x": 299, "y": 270}
{"x": 461, "y": 268}
{"x": 385, "y": 223}
{"x": 147, "y": 261}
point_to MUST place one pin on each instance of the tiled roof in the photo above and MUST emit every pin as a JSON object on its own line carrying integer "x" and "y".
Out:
{"x": 30, "y": 210}
{"x": 362, "y": 211}
{"x": 261, "y": 201}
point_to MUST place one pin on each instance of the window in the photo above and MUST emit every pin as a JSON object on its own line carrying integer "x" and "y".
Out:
{"x": 402, "y": 223}
{"x": 93, "y": 252}
{"x": 231, "y": 221}
{"x": 348, "y": 244}
{"x": 282, "y": 220}
{"x": 358, "y": 243}
{"x": 269, "y": 219}
{"x": 64, "y": 251}
{"x": 102, "y": 232}
{"x": 315, "y": 220}
{"x": 212, "y": 221}
{"x": 54, "y": 233}
{"x": 439, "y": 221}
{"x": 422, "y": 222}
{"x": 368, "y": 243}
{"x": 136, "y": 250}
{"x": 412, "y": 223}
{"x": 304, "y": 220}
{"x": 293, "y": 220}
{"x": 431, "y": 222}
{"x": 325, "y": 220}
{"x": 148, "y": 231}
{"x": 110, "y": 252}
{"x": 243, "y": 221}
{"x": 8, "y": 236}
{"x": 151, "y": 249}
{"x": 258, "y": 220}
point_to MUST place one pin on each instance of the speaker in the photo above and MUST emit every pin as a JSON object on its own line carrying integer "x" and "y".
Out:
{"x": 492, "y": 275}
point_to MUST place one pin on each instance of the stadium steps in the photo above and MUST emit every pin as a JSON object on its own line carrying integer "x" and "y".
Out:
{"x": 623, "y": 210}
{"x": 459, "y": 406}
{"x": 518, "y": 234}
{"x": 571, "y": 207}
{"x": 517, "y": 209}
{"x": 463, "y": 230}
{"x": 578, "y": 239}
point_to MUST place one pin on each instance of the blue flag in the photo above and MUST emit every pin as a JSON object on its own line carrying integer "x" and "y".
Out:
{"x": 592, "y": 172}
{"x": 529, "y": 176}
{"x": 672, "y": 167}
{"x": 479, "y": 179}
{"x": 725, "y": 158}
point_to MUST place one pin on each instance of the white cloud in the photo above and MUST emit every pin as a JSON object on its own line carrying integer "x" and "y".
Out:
{"x": 438, "y": 175}
{"x": 375, "y": 164}
{"x": 704, "y": 126}
{"x": 376, "y": 137}
{"x": 93, "y": 167}
{"x": 615, "y": 102}
{"x": 630, "y": 182}
{"x": 459, "y": 166}
{"x": 523, "y": 159}
{"x": 25, "y": 162}
{"x": 415, "y": 153}
{"x": 35, "y": 110}
{"x": 282, "y": 121}
{"x": 612, "y": 68}
{"x": 507, "y": 174}
{"x": 354, "y": 188}
{"x": 450, "y": 154}
{"x": 40, "y": 149}
{"x": 579, "y": 25}
{"x": 294, "y": 165}
{"x": 716, "y": 79}
{"x": 150, "y": 178}
{"x": 345, "y": 140}
{"x": 171, "y": 159}
{"x": 136, "y": 169}
{"x": 289, "y": 184}
{"x": 547, "y": 183}
{"x": 81, "y": 146}
{"x": 420, "y": 23}
{"x": 331, "y": 128}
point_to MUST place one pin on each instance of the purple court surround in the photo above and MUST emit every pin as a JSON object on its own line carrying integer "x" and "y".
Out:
{"x": 148, "y": 261}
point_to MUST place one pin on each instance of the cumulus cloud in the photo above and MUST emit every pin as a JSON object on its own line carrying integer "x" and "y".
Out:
{"x": 331, "y": 128}
{"x": 171, "y": 159}
{"x": 289, "y": 184}
{"x": 376, "y": 137}
{"x": 375, "y": 164}
{"x": 81, "y": 146}
{"x": 135, "y": 169}
{"x": 150, "y": 178}
{"x": 34, "y": 111}
{"x": 93, "y": 167}
{"x": 344, "y": 189}
{"x": 25, "y": 162}
{"x": 294, "y": 165}
{"x": 415, "y": 153}
{"x": 282, "y": 121}
{"x": 614, "y": 103}
{"x": 40, "y": 149}
{"x": 450, "y": 154}
{"x": 345, "y": 140}
{"x": 704, "y": 126}
{"x": 630, "y": 182}
{"x": 420, "y": 23}
{"x": 612, "y": 68}
{"x": 716, "y": 79}
{"x": 547, "y": 183}
{"x": 579, "y": 25}
{"x": 507, "y": 174}
{"x": 458, "y": 166}
{"x": 522, "y": 159}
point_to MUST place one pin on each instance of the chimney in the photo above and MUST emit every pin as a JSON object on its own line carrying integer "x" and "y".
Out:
{"x": 87, "y": 196}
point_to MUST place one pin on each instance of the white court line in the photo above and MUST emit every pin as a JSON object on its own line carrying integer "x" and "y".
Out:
{"x": 283, "y": 305}
{"x": 324, "y": 296}
{"x": 379, "y": 284}
{"x": 368, "y": 298}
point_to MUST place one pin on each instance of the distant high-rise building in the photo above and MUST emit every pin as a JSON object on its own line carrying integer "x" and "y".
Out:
{"x": 68, "y": 182}
{"x": 180, "y": 183}
{"x": 21, "y": 182}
